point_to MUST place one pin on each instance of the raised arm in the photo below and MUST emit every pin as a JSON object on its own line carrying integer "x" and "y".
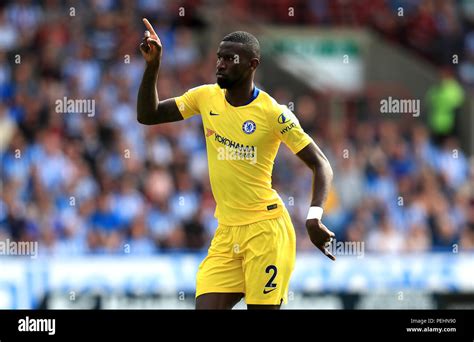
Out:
{"x": 150, "y": 110}
{"x": 322, "y": 177}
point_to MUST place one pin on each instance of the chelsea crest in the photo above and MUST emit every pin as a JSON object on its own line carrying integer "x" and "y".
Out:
{"x": 249, "y": 127}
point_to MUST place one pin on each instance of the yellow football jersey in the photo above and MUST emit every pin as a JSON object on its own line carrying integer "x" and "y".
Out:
{"x": 242, "y": 143}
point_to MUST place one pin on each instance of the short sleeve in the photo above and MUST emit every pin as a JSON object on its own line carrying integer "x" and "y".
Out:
{"x": 188, "y": 103}
{"x": 288, "y": 129}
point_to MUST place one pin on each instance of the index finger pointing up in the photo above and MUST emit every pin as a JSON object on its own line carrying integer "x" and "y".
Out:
{"x": 149, "y": 27}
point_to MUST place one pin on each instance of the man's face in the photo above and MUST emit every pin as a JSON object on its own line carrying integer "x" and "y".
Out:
{"x": 233, "y": 64}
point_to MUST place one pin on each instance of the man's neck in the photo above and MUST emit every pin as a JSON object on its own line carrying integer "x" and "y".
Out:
{"x": 241, "y": 95}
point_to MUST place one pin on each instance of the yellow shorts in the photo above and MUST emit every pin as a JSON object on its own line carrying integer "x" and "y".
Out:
{"x": 255, "y": 259}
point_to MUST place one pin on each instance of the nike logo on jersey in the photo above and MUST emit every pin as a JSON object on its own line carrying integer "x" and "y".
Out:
{"x": 265, "y": 291}
{"x": 212, "y": 114}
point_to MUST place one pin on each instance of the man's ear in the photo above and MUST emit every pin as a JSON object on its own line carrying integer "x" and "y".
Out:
{"x": 254, "y": 62}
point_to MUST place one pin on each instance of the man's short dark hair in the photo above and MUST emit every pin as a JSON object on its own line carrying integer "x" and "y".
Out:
{"x": 247, "y": 39}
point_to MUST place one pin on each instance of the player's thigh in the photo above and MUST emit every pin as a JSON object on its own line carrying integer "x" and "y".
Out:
{"x": 221, "y": 271}
{"x": 269, "y": 262}
{"x": 219, "y": 274}
{"x": 218, "y": 301}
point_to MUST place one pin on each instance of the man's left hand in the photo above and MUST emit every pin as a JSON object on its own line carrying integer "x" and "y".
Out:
{"x": 320, "y": 235}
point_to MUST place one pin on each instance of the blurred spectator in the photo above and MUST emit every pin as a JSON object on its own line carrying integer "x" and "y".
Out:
{"x": 385, "y": 238}
{"x": 139, "y": 242}
{"x": 444, "y": 99}
{"x": 418, "y": 239}
{"x": 106, "y": 230}
{"x": 7, "y": 128}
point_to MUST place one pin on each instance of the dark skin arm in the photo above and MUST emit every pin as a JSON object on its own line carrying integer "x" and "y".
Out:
{"x": 315, "y": 159}
{"x": 150, "y": 110}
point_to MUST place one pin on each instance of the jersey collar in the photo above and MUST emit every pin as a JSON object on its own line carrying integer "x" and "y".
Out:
{"x": 255, "y": 93}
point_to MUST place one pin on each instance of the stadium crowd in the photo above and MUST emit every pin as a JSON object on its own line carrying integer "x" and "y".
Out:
{"x": 99, "y": 182}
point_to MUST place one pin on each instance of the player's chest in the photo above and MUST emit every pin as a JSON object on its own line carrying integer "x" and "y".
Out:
{"x": 243, "y": 126}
